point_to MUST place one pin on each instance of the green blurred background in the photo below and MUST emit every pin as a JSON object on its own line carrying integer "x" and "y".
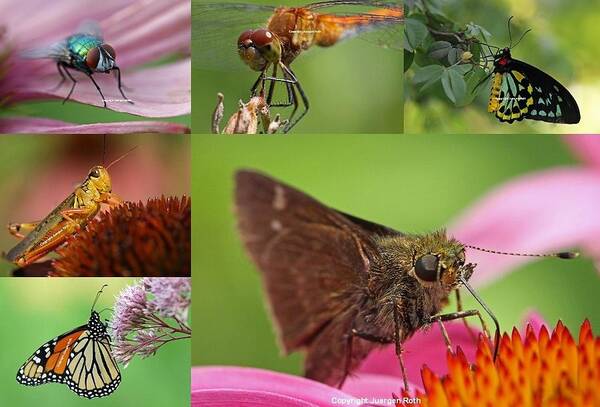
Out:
{"x": 353, "y": 87}
{"x": 38, "y": 172}
{"x": 563, "y": 42}
{"x": 36, "y": 310}
{"x": 414, "y": 184}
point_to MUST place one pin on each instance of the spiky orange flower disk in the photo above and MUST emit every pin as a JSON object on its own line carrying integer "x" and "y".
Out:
{"x": 133, "y": 239}
{"x": 545, "y": 370}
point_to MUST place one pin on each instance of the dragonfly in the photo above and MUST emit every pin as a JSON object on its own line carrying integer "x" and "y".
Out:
{"x": 86, "y": 52}
{"x": 268, "y": 39}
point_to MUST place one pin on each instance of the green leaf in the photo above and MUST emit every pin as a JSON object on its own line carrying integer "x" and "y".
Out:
{"x": 439, "y": 49}
{"x": 454, "y": 85}
{"x": 428, "y": 73}
{"x": 454, "y": 55}
{"x": 415, "y": 32}
{"x": 408, "y": 59}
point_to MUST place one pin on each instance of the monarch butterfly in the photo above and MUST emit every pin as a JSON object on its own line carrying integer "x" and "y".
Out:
{"x": 80, "y": 358}
{"x": 522, "y": 91}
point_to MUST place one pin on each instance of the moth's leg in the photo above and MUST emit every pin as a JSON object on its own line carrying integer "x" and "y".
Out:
{"x": 19, "y": 230}
{"x": 399, "y": 345}
{"x": 459, "y": 308}
{"x": 456, "y": 315}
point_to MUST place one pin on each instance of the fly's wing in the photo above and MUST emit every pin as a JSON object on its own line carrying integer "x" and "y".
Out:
{"x": 314, "y": 263}
{"x": 525, "y": 92}
{"x": 90, "y": 27}
{"x": 57, "y": 51}
{"x": 41, "y": 230}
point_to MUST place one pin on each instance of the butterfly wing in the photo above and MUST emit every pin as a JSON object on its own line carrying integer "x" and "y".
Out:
{"x": 81, "y": 359}
{"x": 522, "y": 91}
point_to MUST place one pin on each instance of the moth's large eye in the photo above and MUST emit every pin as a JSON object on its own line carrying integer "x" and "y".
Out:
{"x": 426, "y": 267}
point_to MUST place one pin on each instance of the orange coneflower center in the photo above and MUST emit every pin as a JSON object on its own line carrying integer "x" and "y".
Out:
{"x": 540, "y": 370}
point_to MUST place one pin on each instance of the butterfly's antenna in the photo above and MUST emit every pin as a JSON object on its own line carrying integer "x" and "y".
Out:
{"x": 98, "y": 296}
{"x": 523, "y": 35}
{"x": 509, "y": 32}
{"x": 121, "y": 157}
{"x": 489, "y": 312}
{"x": 105, "y": 309}
{"x": 559, "y": 255}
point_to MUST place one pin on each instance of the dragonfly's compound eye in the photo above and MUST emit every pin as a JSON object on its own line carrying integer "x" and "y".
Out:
{"x": 245, "y": 39}
{"x": 110, "y": 50}
{"x": 262, "y": 38}
{"x": 426, "y": 267}
{"x": 92, "y": 58}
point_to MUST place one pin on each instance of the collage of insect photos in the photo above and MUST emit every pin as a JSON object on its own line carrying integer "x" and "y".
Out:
{"x": 395, "y": 203}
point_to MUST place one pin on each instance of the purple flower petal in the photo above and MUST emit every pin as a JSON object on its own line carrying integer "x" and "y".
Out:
{"x": 537, "y": 213}
{"x": 33, "y": 125}
{"x": 217, "y": 385}
{"x": 586, "y": 147}
{"x": 163, "y": 91}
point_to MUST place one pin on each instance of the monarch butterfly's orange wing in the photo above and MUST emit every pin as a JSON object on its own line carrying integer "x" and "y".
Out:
{"x": 49, "y": 362}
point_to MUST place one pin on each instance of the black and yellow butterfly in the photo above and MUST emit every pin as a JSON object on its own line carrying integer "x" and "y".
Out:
{"x": 80, "y": 358}
{"x": 521, "y": 91}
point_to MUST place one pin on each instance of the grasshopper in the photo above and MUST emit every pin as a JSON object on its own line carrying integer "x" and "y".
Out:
{"x": 66, "y": 219}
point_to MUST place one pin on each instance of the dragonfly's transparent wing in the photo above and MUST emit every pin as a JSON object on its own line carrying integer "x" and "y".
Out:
{"x": 57, "y": 51}
{"x": 216, "y": 28}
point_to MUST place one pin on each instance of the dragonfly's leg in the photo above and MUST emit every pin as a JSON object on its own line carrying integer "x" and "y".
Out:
{"x": 62, "y": 75}
{"x": 272, "y": 86}
{"x": 256, "y": 83}
{"x": 19, "y": 230}
{"x": 305, "y": 102}
{"x": 66, "y": 70}
{"x": 116, "y": 68}
{"x": 97, "y": 87}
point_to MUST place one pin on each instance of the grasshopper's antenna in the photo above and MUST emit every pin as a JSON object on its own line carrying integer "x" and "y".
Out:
{"x": 489, "y": 312}
{"x": 98, "y": 296}
{"x": 121, "y": 157}
{"x": 104, "y": 149}
{"x": 559, "y": 255}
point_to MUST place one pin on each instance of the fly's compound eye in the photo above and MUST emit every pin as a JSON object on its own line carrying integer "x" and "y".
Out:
{"x": 95, "y": 173}
{"x": 426, "y": 267}
{"x": 92, "y": 58}
{"x": 110, "y": 50}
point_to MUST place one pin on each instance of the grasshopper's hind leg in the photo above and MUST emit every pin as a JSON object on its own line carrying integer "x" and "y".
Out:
{"x": 20, "y": 230}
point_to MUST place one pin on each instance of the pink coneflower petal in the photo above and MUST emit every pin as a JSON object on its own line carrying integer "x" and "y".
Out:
{"x": 34, "y": 125}
{"x": 586, "y": 147}
{"x": 163, "y": 91}
{"x": 541, "y": 212}
{"x": 378, "y": 386}
{"x": 226, "y": 386}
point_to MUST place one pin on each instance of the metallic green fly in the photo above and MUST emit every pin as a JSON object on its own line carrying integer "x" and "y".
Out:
{"x": 85, "y": 52}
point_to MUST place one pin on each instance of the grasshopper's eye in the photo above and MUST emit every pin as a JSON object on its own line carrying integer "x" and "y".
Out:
{"x": 95, "y": 173}
{"x": 426, "y": 267}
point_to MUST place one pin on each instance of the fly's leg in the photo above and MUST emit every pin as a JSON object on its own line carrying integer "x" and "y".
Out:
{"x": 20, "y": 230}
{"x": 66, "y": 70}
{"x": 116, "y": 68}
{"x": 97, "y": 87}
{"x": 62, "y": 75}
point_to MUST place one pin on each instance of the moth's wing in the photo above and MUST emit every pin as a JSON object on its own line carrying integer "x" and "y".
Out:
{"x": 371, "y": 227}
{"x": 527, "y": 92}
{"x": 314, "y": 261}
{"x": 92, "y": 369}
{"x": 49, "y": 362}
{"x": 57, "y": 51}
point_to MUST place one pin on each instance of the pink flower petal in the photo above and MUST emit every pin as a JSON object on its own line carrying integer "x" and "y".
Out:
{"x": 33, "y": 125}
{"x": 250, "y": 398}
{"x": 586, "y": 147}
{"x": 534, "y": 319}
{"x": 425, "y": 347}
{"x": 379, "y": 386}
{"x": 538, "y": 213}
{"x": 163, "y": 91}
{"x": 215, "y": 385}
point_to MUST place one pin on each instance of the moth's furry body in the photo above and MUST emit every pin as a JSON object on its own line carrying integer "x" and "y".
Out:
{"x": 338, "y": 286}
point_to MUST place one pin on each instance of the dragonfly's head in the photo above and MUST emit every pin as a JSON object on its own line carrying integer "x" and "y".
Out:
{"x": 259, "y": 48}
{"x": 99, "y": 179}
{"x": 101, "y": 58}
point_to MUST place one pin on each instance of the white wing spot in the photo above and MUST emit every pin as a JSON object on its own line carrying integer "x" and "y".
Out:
{"x": 279, "y": 201}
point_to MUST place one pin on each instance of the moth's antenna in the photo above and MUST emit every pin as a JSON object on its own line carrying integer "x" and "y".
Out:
{"x": 98, "y": 296}
{"x": 121, "y": 157}
{"x": 559, "y": 255}
{"x": 488, "y": 310}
